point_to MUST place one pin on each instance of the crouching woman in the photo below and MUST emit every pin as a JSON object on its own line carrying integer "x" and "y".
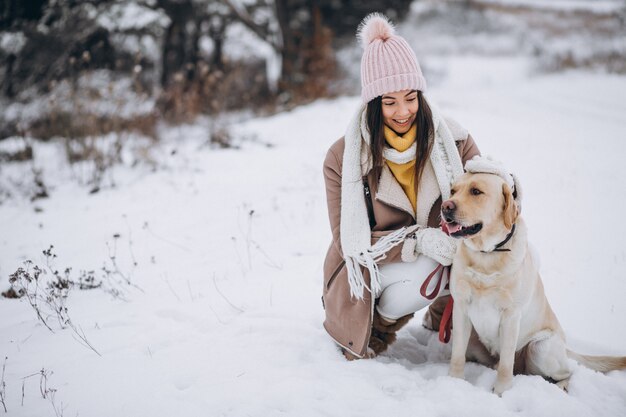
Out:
{"x": 385, "y": 180}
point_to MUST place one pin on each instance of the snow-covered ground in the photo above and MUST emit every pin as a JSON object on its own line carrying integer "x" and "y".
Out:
{"x": 224, "y": 250}
{"x": 595, "y": 6}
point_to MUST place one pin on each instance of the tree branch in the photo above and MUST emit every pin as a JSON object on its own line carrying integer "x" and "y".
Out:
{"x": 245, "y": 18}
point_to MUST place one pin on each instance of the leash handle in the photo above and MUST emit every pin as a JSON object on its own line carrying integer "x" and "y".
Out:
{"x": 440, "y": 268}
{"x": 445, "y": 326}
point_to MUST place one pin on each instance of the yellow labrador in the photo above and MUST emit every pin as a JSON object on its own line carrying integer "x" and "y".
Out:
{"x": 497, "y": 289}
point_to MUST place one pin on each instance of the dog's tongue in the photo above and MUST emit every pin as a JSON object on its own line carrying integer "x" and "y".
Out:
{"x": 450, "y": 228}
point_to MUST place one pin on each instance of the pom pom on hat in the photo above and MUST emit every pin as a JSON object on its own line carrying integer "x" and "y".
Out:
{"x": 374, "y": 26}
{"x": 389, "y": 65}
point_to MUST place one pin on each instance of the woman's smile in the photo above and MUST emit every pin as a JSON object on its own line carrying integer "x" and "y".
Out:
{"x": 399, "y": 110}
{"x": 402, "y": 125}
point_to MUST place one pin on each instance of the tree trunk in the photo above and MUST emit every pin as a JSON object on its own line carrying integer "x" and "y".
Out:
{"x": 289, "y": 50}
{"x": 8, "y": 77}
{"x": 216, "y": 32}
{"x": 307, "y": 56}
{"x": 178, "y": 45}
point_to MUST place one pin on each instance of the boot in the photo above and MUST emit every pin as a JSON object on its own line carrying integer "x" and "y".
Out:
{"x": 384, "y": 332}
{"x": 432, "y": 317}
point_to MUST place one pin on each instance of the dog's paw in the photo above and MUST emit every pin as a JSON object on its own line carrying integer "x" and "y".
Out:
{"x": 563, "y": 384}
{"x": 457, "y": 372}
{"x": 349, "y": 356}
{"x": 502, "y": 385}
{"x": 370, "y": 354}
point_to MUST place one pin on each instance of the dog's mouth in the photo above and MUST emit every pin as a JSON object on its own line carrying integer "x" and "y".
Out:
{"x": 455, "y": 229}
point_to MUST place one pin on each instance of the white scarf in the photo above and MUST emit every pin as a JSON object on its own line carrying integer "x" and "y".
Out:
{"x": 398, "y": 157}
{"x": 354, "y": 228}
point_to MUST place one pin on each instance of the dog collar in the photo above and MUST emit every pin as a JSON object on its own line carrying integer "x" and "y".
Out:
{"x": 499, "y": 245}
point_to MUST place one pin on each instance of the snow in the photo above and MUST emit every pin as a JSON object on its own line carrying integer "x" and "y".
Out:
{"x": 144, "y": 45}
{"x": 97, "y": 92}
{"x": 12, "y": 42}
{"x": 595, "y": 6}
{"x": 130, "y": 15}
{"x": 552, "y": 38}
{"x": 240, "y": 43}
{"x": 224, "y": 249}
{"x": 228, "y": 319}
{"x": 12, "y": 145}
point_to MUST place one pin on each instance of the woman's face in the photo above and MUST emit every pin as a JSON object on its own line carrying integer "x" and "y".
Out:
{"x": 399, "y": 110}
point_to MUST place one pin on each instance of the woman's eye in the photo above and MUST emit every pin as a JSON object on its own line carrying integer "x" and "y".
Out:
{"x": 389, "y": 103}
{"x": 475, "y": 191}
{"x": 412, "y": 99}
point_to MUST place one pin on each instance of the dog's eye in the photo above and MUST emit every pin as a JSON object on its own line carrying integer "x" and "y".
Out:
{"x": 452, "y": 192}
{"x": 476, "y": 191}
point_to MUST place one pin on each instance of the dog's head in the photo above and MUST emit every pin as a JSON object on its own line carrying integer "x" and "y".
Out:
{"x": 481, "y": 208}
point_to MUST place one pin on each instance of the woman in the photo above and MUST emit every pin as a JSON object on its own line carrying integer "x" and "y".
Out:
{"x": 385, "y": 180}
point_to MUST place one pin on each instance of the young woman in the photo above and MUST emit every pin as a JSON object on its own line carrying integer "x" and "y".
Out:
{"x": 385, "y": 180}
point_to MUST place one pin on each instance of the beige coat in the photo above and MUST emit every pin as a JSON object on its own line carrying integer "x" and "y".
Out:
{"x": 349, "y": 321}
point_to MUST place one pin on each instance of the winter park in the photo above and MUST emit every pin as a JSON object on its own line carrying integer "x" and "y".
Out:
{"x": 171, "y": 199}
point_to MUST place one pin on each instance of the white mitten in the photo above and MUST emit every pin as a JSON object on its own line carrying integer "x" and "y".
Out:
{"x": 486, "y": 165}
{"x": 432, "y": 242}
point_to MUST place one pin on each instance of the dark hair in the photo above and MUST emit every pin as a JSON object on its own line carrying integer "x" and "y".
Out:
{"x": 424, "y": 136}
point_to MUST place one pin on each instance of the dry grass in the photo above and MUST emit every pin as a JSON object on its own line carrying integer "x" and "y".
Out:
{"x": 79, "y": 125}
{"x": 234, "y": 87}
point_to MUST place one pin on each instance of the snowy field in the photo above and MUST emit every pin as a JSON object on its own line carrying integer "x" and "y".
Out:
{"x": 224, "y": 251}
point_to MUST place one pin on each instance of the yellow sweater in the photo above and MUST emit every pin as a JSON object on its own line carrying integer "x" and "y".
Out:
{"x": 404, "y": 173}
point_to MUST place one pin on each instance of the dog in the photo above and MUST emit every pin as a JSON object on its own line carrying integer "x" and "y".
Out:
{"x": 497, "y": 290}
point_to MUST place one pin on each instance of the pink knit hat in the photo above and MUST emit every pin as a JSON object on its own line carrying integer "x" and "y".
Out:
{"x": 388, "y": 64}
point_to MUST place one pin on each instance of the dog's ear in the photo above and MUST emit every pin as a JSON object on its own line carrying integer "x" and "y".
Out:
{"x": 509, "y": 211}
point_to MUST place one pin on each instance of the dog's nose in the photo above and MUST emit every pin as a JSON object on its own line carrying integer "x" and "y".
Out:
{"x": 448, "y": 206}
{"x": 447, "y": 209}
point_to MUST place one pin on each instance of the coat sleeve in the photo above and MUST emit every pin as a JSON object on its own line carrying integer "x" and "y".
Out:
{"x": 332, "y": 180}
{"x": 468, "y": 149}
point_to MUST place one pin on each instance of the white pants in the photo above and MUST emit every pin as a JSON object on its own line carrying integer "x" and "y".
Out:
{"x": 401, "y": 283}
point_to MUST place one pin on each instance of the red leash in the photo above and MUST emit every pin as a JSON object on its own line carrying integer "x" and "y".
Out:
{"x": 440, "y": 268}
{"x": 445, "y": 326}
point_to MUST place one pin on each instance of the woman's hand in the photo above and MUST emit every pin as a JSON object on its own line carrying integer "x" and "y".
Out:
{"x": 432, "y": 242}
